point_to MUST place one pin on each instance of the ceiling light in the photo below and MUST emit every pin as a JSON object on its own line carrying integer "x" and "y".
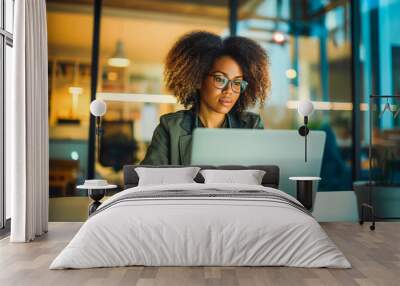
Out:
{"x": 278, "y": 37}
{"x": 75, "y": 90}
{"x": 119, "y": 59}
{"x": 291, "y": 73}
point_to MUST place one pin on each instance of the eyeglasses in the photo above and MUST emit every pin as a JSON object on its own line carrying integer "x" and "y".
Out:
{"x": 221, "y": 82}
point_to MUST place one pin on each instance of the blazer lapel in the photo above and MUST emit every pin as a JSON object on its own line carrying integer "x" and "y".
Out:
{"x": 234, "y": 121}
{"x": 185, "y": 148}
{"x": 185, "y": 141}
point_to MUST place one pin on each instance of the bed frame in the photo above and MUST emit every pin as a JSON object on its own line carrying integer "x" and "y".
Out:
{"x": 270, "y": 179}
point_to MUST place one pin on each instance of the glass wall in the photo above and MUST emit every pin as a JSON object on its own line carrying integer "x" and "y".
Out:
{"x": 310, "y": 53}
{"x": 309, "y": 44}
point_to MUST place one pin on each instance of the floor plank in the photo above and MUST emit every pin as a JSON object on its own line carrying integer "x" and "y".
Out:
{"x": 374, "y": 255}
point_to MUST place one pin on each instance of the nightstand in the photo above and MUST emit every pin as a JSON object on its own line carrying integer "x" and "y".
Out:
{"x": 305, "y": 193}
{"x": 96, "y": 193}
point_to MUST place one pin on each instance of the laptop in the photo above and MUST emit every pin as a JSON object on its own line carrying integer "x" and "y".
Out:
{"x": 284, "y": 148}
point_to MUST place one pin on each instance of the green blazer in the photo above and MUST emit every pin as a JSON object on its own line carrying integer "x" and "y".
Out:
{"x": 172, "y": 139}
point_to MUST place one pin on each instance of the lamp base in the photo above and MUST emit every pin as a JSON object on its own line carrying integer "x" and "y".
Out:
{"x": 96, "y": 195}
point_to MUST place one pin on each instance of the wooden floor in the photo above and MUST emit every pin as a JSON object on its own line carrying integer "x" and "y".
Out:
{"x": 375, "y": 257}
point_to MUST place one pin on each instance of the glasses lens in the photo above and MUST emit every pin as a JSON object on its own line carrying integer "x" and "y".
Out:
{"x": 220, "y": 81}
{"x": 237, "y": 85}
{"x": 243, "y": 85}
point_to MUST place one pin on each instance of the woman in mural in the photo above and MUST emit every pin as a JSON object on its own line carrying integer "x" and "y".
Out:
{"x": 215, "y": 79}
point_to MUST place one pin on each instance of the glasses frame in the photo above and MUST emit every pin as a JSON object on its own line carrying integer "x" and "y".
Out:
{"x": 243, "y": 83}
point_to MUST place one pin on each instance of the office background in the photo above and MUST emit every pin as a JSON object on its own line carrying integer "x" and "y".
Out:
{"x": 336, "y": 53}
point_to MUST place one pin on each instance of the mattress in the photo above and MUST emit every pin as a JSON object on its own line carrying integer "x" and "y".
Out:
{"x": 201, "y": 225}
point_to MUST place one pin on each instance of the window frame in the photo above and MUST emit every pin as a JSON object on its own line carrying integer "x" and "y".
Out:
{"x": 6, "y": 39}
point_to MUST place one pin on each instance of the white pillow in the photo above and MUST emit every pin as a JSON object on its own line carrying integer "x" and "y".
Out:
{"x": 248, "y": 177}
{"x": 164, "y": 176}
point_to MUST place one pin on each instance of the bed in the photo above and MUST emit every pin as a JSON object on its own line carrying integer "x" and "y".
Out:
{"x": 198, "y": 224}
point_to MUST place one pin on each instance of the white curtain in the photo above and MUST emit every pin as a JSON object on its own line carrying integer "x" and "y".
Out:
{"x": 27, "y": 124}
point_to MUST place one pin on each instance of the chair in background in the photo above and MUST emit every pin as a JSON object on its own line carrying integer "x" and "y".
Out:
{"x": 63, "y": 175}
{"x": 118, "y": 146}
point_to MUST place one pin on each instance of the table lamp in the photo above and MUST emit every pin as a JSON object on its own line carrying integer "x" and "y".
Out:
{"x": 305, "y": 108}
{"x": 98, "y": 108}
{"x": 97, "y": 188}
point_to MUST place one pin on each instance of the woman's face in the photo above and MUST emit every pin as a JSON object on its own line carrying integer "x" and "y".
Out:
{"x": 217, "y": 99}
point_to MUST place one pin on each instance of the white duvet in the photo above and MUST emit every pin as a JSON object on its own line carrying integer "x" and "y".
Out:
{"x": 200, "y": 231}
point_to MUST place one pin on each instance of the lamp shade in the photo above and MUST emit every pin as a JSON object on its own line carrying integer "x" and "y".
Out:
{"x": 305, "y": 107}
{"x": 119, "y": 59}
{"x": 98, "y": 107}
